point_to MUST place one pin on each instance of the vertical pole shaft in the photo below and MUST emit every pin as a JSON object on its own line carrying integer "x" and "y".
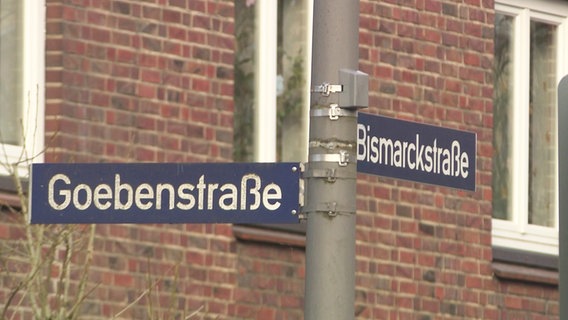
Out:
{"x": 562, "y": 195}
{"x": 330, "y": 201}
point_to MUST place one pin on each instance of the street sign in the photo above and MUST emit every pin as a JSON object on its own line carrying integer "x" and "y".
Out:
{"x": 417, "y": 152}
{"x": 164, "y": 193}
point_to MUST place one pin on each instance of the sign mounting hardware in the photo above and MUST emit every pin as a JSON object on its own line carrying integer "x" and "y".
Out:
{"x": 326, "y": 89}
{"x": 342, "y": 158}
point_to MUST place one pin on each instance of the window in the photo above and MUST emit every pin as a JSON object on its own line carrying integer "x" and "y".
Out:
{"x": 530, "y": 59}
{"x": 22, "y": 25}
{"x": 272, "y": 80}
{"x": 272, "y": 76}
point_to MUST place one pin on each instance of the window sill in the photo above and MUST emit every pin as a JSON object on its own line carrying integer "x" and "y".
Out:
{"x": 525, "y": 274}
{"x": 248, "y": 233}
{"x": 518, "y": 265}
{"x": 8, "y": 194}
{"x": 9, "y": 200}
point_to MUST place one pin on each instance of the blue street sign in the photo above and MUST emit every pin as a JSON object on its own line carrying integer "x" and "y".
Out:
{"x": 416, "y": 152}
{"x": 164, "y": 193}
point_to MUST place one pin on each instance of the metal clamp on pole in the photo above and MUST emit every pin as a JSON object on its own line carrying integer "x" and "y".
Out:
{"x": 331, "y": 209}
{"x": 342, "y": 158}
{"x": 334, "y": 112}
{"x": 329, "y": 174}
{"x": 326, "y": 89}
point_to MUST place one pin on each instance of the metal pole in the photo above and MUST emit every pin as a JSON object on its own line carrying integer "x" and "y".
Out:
{"x": 331, "y": 171}
{"x": 562, "y": 195}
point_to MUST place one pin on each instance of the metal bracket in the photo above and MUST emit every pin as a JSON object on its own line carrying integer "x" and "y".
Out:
{"x": 302, "y": 185}
{"x": 332, "y": 209}
{"x": 329, "y": 174}
{"x": 342, "y": 158}
{"x": 326, "y": 89}
{"x": 302, "y": 194}
{"x": 333, "y": 112}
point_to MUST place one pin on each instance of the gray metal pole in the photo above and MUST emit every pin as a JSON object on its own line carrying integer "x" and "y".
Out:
{"x": 563, "y": 195}
{"x": 331, "y": 171}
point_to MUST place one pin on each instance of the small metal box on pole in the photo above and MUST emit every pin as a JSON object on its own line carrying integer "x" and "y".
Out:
{"x": 355, "y": 92}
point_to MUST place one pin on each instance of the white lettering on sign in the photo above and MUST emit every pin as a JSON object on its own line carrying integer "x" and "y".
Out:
{"x": 251, "y": 194}
{"x": 413, "y": 155}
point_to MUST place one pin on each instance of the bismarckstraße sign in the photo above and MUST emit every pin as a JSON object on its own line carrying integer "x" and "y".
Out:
{"x": 417, "y": 152}
{"x": 164, "y": 193}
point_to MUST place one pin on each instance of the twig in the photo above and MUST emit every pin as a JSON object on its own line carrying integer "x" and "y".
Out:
{"x": 145, "y": 292}
{"x": 194, "y": 313}
{"x": 142, "y": 295}
{"x": 83, "y": 281}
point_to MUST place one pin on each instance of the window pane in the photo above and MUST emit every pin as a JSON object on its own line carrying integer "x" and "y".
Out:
{"x": 542, "y": 144}
{"x": 244, "y": 82}
{"x": 291, "y": 76}
{"x": 10, "y": 71}
{"x": 503, "y": 110}
{"x": 292, "y": 31}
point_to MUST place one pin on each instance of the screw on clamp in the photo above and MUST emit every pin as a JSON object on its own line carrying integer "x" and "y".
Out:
{"x": 334, "y": 111}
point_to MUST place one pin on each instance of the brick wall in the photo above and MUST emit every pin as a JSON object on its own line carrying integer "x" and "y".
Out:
{"x": 139, "y": 81}
{"x": 425, "y": 252}
{"x": 147, "y": 81}
{"x": 152, "y": 81}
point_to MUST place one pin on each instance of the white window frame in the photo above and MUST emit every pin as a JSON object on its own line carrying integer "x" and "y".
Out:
{"x": 266, "y": 79}
{"x": 33, "y": 92}
{"x": 517, "y": 233}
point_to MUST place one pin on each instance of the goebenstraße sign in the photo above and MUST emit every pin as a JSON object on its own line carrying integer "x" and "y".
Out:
{"x": 164, "y": 193}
